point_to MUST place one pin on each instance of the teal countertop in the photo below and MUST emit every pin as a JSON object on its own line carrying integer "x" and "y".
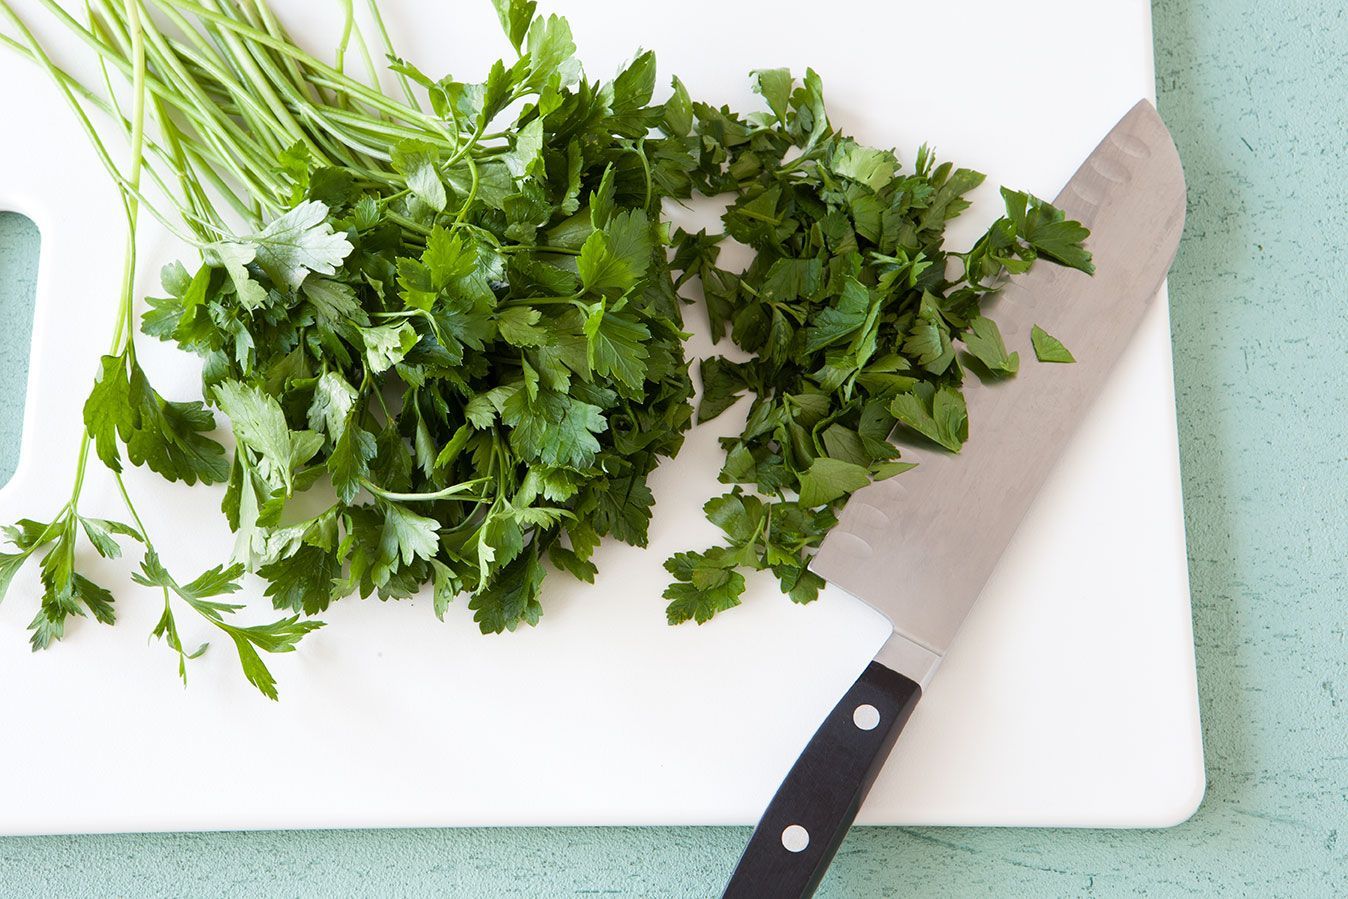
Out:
{"x": 1257, "y": 97}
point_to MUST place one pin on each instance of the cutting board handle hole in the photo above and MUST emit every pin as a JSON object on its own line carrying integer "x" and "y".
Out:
{"x": 19, "y": 245}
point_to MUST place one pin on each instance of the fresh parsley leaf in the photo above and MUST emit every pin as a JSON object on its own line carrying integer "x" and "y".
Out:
{"x": 602, "y": 268}
{"x": 830, "y": 479}
{"x": 349, "y": 462}
{"x": 260, "y": 424}
{"x": 704, "y": 584}
{"x": 616, "y": 344}
{"x": 304, "y": 581}
{"x": 279, "y": 636}
{"x": 512, "y": 598}
{"x": 167, "y": 436}
{"x": 333, "y": 401}
{"x": 722, "y": 387}
{"x": 937, "y": 414}
{"x": 387, "y": 345}
{"x": 297, "y": 243}
{"x": 775, "y": 87}
{"x": 1048, "y": 231}
{"x": 984, "y": 341}
{"x": 407, "y": 536}
{"x": 419, "y": 162}
{"x": 235, "y": 258}
{"x": 515, "y": 16}
{"x": 10, "y": 563}
{"x": 1048, "y": 348}
{"x": 623, "y": 507}
{"x": 553, "y": 428}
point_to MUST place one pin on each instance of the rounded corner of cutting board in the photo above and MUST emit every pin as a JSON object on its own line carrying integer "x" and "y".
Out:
{"x": 1188, "y": 805}
{"x": 1187, "y": 798}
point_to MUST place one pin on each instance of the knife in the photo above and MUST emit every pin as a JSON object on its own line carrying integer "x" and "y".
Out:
{"x": 919, "y": 547}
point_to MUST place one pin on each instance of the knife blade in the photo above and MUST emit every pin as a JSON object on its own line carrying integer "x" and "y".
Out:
{"x": 919, "y": 547}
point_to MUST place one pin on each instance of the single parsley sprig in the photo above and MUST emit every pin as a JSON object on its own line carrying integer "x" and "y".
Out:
{"x": 857, "y": 317}
{"x": 124, "y": 409}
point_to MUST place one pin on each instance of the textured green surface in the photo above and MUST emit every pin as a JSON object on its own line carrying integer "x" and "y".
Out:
{"x": 18, "y": 273}
{"x": 1257, "y": 96}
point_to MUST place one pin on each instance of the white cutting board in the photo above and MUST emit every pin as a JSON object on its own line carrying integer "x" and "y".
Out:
{"x": 1069, "y": 699}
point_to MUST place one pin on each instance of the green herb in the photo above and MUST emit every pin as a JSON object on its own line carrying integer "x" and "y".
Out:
{"x": 445, "y": 333}
{"x": 452, "y": 333}
{"x": 857, "y": 318}
{"x": 1048, "y": 348}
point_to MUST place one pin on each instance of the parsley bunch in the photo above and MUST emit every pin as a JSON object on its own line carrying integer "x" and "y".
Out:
{"x": 856, "y": 317}
{"x": 442, "y": 330}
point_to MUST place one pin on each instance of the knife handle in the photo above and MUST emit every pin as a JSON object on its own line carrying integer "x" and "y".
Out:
{"x": 806, "y": 821}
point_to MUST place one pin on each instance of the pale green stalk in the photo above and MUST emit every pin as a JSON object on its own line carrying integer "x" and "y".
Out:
{"x": 324, "y": 74}
{"x": 193, "y": 110}
{"x": 33, "y": 50}
{"x": 121, "y": 338}
{"x": 388, "y": 48}
{"x": 255, "y": 78}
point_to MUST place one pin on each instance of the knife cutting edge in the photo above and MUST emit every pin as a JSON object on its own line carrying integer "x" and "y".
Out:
{"x": 919, "y": 547}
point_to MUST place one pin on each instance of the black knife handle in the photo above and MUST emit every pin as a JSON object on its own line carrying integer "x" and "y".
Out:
{"x": 806, "y": 821}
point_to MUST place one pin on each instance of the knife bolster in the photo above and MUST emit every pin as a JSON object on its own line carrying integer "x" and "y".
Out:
{"x": 909, "y": 658}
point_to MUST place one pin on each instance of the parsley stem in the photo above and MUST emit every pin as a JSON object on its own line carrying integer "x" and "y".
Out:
{"x": 176, "y": 59}
{"x": 31, "y": 48}
{"x": 81, "y": 464}
{"x": 380, "y": 128}
{"x": 371, "y": 71}
{"x": 323, "y": 74}
{"x": 448, "y": 492}
{"x": 109, "y": 108}
{"x": 465, "y": 149}
{"x": 472, "y": 195}
{"x": 150, "y": 550}
{"x": 408, "y": 224}
{"x": 383, "y": 404}
{"x": 191, "y": 98}
{"x": 135, "y": 516}
{"x": 174, "y": 95}
{"x": 208, "y": 105}
{"x": 527, "y": 248}
{"x": 291, "y": 67}
{"x": 388, "y": 48}
{"x": 348, "y": 24}
{"x": 126, "y": 322}
{"x": 337, "y": 143}
{"x": 639, "y": 149}
{"x": 125, "y": 325}
{"x": 350, "y": 28}
{"x": 254, "y": 79}
{"x": 541, "y": 301}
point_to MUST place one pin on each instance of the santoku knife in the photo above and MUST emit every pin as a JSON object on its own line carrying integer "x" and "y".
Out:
{"x": 919, "y": 547}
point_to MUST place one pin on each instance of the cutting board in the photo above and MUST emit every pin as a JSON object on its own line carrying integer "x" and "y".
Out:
{"x": 1068, "y": 700}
